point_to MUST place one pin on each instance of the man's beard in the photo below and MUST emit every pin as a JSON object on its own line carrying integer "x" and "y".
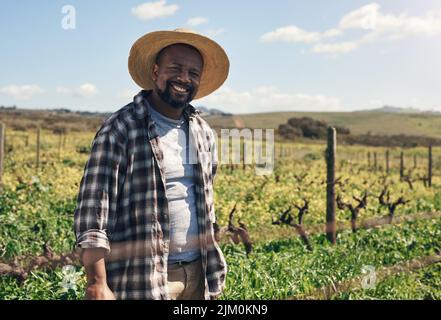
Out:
{"x": 168, "y": 97}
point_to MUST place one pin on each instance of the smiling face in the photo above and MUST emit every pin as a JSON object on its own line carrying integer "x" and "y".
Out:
{"x": 177, "y": 73}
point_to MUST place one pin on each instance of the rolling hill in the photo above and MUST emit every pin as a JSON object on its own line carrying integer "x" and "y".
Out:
{"x": 375, "y": 122}
{"x": 378, "y": 121}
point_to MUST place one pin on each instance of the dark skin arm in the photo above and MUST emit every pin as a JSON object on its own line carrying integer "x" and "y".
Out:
{"x": 97, "y": 288}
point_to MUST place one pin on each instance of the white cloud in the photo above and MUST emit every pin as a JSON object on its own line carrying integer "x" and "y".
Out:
{"x": 23, "y": 92}
{"x": 332, "y": 33}
{"x": 294, "y": 34}
{"x": 85, "y": 90}
{"x": 399, "y": 26}
{"x": 361, "y": 18}
{"x": 291, "y": 34}
{"x": 344, "y": 46}
{"x": 375, "y": 24}
{"x": 267, "y": 99}
{"x": 196, "y": 21}
{"x": 153, "y": 10}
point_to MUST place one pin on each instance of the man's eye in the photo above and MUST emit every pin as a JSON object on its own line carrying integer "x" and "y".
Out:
{"x": 194, "y": 74}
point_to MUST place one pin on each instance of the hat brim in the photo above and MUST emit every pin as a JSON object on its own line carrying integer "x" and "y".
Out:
{"x": 144, "y": 50}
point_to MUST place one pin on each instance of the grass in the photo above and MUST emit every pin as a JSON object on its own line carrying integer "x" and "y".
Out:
{"x": 423, "y": 284}
{"x": 35, "y": 209}
{"x": 282, "y": 269}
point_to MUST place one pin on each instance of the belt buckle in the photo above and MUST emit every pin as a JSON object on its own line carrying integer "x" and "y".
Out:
{"x": 184, "y": 263}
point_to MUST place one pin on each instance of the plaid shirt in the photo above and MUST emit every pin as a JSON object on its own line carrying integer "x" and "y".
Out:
{"x": 122, "y": 205}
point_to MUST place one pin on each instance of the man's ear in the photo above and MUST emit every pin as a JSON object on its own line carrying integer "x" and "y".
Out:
{"x": 155, "y": 72}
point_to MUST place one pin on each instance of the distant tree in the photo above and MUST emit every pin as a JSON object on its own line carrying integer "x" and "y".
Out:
{"x": 290, "y": 132}
{"x": 308, "y": 128}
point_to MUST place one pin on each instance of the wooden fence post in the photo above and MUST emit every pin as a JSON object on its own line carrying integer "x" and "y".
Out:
{"x": 375, "y": 160}
{"x": 414, "y": 161}
{"x": 38, "y": 149}
{"x": 330, "y": 185}
{"x": 59, "y": 145}
{"x": 430, "y": 167}
{"x": 369, "y": 159}
{"x": 401, "y": 165}
{"x": 244, "y": 147}
{"x": 387, "y": 162}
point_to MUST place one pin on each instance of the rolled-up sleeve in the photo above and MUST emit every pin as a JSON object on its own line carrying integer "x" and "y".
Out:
{"x": 96, "y": 209}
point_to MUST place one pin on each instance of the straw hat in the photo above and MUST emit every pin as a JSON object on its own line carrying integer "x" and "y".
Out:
{"x": 144, "y": 50}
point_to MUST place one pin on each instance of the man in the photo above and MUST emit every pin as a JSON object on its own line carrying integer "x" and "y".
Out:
{"x": 145, "y": 210}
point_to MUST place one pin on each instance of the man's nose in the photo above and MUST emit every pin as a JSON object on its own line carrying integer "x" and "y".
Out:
{"x": 184, "y": 76}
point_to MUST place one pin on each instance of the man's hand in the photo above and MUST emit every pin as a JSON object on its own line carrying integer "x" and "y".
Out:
{"x": 99, "y": 291}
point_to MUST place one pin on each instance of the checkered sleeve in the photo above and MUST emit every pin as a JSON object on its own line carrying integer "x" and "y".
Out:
{"x": 214, "y": 154}
{"x": 97, "y": 199}
{"x": 216, "y": 263}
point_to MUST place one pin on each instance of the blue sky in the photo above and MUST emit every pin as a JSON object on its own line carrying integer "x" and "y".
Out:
{"x": 313, "y": 55}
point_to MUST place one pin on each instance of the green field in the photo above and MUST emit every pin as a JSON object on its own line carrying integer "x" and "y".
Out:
{"x": 35, "y": 210}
